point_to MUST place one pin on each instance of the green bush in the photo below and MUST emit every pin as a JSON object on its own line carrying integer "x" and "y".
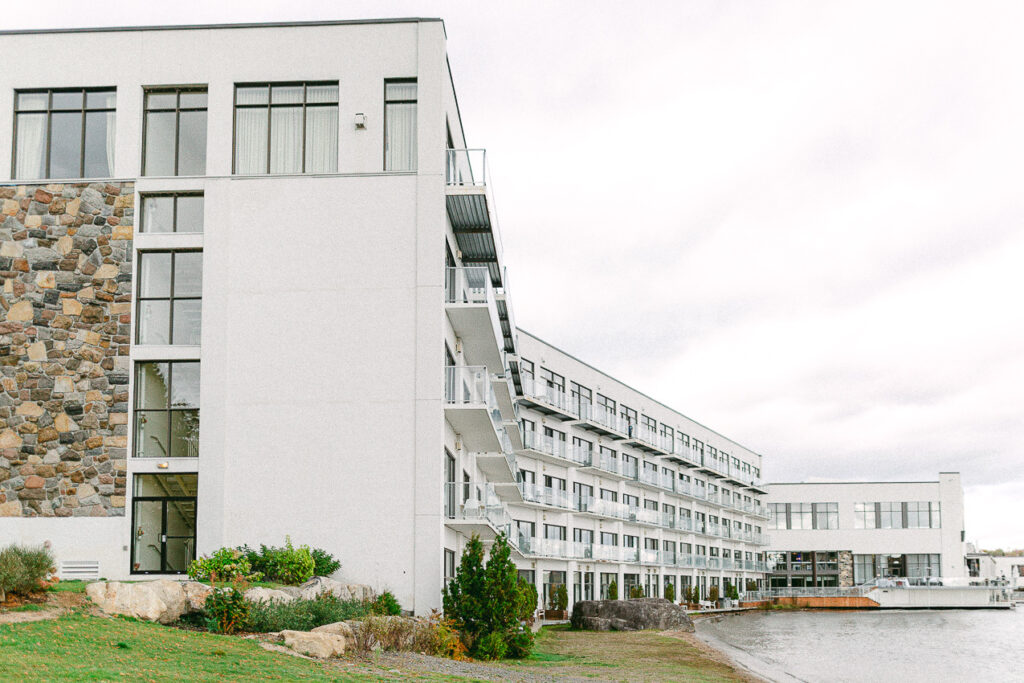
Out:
{"x": 385, "y": 604}
{"x": 303, "y": 615}
{"x": 732, "y": 592}
{"x": 324, "y": 564}
{"x": 226, "y": 610}
{"x": 751, "y": 585}
{"x": 713, "y": 594}
{"x": 519, "y": 643}
{"x": 636, "y": 591}
{"x": 526, "y": 603}
{"x": 491, "y": 646}
{"x": 670, "y": 592}
{"x": 24, "y": 570}
{"x": 559, "y": 597}
{"x": 226, "y": 564}
{"x": 613, "y": 590}
{"x": 288, "y": 565}
{"x": 438, "y": 637}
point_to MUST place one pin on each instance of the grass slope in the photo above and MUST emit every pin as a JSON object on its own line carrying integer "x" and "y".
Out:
{"x": 85, "y": 648}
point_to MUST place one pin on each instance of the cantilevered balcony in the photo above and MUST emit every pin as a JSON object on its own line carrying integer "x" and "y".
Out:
{"x": 472, "y": 408}
{"x": 473, "y": 312}
{"x": 600, "y": 420}
{"x": 547, "y": 399}
{"x": 546, "y": 495}
{"x": 500, "y": 467}
{"x": 600, "y": 507}
{"x": 646, "y": 439}
{"x": 546, "y": 448}
{"x": 475, "y": 508}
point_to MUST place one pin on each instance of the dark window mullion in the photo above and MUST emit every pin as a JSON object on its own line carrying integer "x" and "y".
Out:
{"x": 81, "y": 150}
{"x": 49, "y": 129}
{"x": 305, "y": 88}
{"x": 177, "y": 126}
{"x": 170, "y": 392}
{"x": 270, "y": 119}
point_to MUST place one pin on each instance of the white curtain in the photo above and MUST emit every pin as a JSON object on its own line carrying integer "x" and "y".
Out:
{"x": 401, "y": 137}
{"x": 322, "y": 139}
{"x": 31, "y": 146}
{"x": 111, "y": 139}
{"x": 251, "y": 141}
{"x": 286, "y": 140}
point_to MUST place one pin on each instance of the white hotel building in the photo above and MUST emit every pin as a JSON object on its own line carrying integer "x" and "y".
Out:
{"x": 253, "y": 287}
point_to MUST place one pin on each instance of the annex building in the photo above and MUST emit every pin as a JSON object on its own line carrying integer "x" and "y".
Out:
{"x": 253, "y": 286}
{"x": 845, "y": 534}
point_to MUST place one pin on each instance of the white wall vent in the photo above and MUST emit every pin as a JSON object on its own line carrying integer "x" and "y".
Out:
{"x": 83, "y": 570}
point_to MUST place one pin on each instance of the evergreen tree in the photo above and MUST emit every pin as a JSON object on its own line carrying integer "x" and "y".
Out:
{"x": 465, "y": 596}
{"x": 501, "y": 578}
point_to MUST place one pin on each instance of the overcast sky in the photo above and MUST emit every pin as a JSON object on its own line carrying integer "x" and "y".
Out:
{"x": 798, "y": 223}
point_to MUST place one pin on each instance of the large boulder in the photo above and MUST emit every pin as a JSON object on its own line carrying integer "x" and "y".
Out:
{"x": 162, "y": 600}
{"x": 319, "y": 585}
{"x": 259, "y": 594}
{"x": 630, "y": 615}
{"x": 321, "y": 645}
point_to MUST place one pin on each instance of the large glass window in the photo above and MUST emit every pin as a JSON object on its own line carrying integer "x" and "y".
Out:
{"x": 864, "y": 516}
{"x": 167, "y": 409}
{"x": 170, "y": 297}
{"x": 800, "y": 516}
{"x": 400, "y": 125}
{"x": 286, "y": 128}
{"x": 826, "y": 515}
{"x": 64, "y": 133}
{"x": 163, "y": 523}
{"x": 890, "y": 516}
{"x": 175, "y": 132}
{"x": 172, "y": 213}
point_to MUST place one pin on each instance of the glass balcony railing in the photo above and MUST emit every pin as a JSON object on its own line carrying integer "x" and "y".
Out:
{"x": 468, "y": 285}
{"x": 549, "y": 445}
{"x": 476, "y": 502}
{"x": 581, "y": 455}
{"x": 602, "y": 416}
{"x": 650, "y": 556}
{"x": 645, "y": 516}
{"x": 542, "y": 392}
{"x": 545, "y": 495}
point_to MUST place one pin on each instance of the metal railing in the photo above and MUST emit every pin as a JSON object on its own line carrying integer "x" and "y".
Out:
{"x": 476, "y": 502}
{"x": 466, "y": 167}
{"x": 599, "y": 414}
{"x": 546, "y": 444}
{"x": 545, "y": 495}
{"x": 541, "y": 391}
{"x": 468, "y": 285}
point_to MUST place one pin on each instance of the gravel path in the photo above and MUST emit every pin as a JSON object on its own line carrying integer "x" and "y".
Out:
{"x": 397, "y": 663}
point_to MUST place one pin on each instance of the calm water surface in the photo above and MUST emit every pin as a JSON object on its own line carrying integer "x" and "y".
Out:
{"x": 903, "y": 646}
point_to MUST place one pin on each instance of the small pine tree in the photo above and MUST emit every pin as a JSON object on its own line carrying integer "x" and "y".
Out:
{"x": 713, "y": 594}
{"x": 670, "y": 592}
{"x": 464, "y": 597}
{"x": 501, "y": 580}
{"x": 613, "y": 590}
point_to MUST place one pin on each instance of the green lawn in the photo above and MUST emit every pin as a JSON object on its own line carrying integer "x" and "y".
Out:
{"x": 85, "y": 648}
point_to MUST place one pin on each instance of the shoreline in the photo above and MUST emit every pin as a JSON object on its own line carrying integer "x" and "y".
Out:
{"x": 754, "y": 667}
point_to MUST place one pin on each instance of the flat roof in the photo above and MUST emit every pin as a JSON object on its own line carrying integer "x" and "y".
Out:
{"x": 650, "y": 398}
{"x": 191, "y": 27}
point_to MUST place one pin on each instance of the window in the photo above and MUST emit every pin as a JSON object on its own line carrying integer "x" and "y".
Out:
{"x": 890, "y": 516}
{"x": 826, "y": 515}
{"x": 64, "y": 133}
{"x": 164, "y": 523}
{"x": 170, "y": 297}
{"x": 584, "y": 536}
{"x": 526, "y": 368}
{"x": 400, "y": 125}
{"x": 552, "y": 379}
{"x": 864, "y": 516}
{"x": 608, "y": 538}
{"x": 449, "y": 488}
{"x": 609, "y": 495}
{"x": 172, "y": 213}
{"x": 631, "y": 500}
{"x": 449, "y": 565}
{"x": 923, "y": 515}
{"x": 581, "y": 398}
{"x": 175, "y": 132}
{"x": 167, "y": 410}
{"x": 554, "y": 532}
{"x": 286, "y": 128}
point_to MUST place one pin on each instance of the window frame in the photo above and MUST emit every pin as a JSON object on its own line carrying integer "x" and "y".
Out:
{"x": 269, "y": 106}
{"x": 384, "y": 145}
{"x": 49, "y": 126}
{"x": 170, "y": 299}
{"x": 143, "y": 196}
{"x": 169, "y": 410}
{"x": 177, "y": 90}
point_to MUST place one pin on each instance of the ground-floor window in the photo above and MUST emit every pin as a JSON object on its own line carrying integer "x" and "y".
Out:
{"x": 552, "y": 579}
{"x": 651, "y": 589}
{"x": 582, "y": 586}
{"x": 628, "y": 582}
{"x": 449, "y": 565}
{"x": 606, "y": 581}
{"x": 163, "y": 523}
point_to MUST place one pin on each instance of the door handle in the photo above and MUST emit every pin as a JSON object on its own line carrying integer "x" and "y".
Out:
{"x": 163, "y": 538}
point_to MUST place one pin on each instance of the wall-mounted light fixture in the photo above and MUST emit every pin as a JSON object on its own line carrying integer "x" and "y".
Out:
{"x": 162, "y": 465}
{"x": 360, "y": 121}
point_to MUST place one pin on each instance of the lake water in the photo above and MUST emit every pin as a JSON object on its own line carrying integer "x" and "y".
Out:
{"x": 902, "y": 646}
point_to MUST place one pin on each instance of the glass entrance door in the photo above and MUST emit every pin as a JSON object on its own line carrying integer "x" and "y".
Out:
{"x": 163, "y": 523}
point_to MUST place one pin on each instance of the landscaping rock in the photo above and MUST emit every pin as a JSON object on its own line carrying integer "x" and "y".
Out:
{"x": 319, "y": 585}
{"x": 630, "y": 615}
{"x": 195, "y": 595}
{"x": 340, "y": 629}
{"x": 320, "y": 645}
{"x": 267, "y": 595}
{"x": 163, "y": 600}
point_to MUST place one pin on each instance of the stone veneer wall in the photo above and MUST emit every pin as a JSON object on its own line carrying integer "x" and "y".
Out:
{"x": 845, "y": 568}
{"x": 66, "y": 266}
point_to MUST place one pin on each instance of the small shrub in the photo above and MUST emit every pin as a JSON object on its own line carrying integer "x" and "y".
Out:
{"x": 288, "y": 565}
{"x": 324, "y": 564}
{"x": 227, "y": 610}
{"x": 713, "y": 594}
{"x": 519, "y": 643}
{"x": 24, "y": 570}
{"x": 526, "y": 601}
{"x": 438, "y": 637}
{"x": 491, "y": 646}
{"x": 226, "y": 564}
{"x": 391, "y": 634}
{"x": 670, "y": 592}
{"x": 303, "y": 615}
{"x": 733, "y": 593}
{"x": 561, "y": 594}
{"x": 636, "y": 591}
{"x": 751, "y": 585}
{"x": 385, "y": 604}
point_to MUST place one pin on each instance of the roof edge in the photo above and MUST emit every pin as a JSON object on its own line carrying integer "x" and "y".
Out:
{"x": 195, "y": 27}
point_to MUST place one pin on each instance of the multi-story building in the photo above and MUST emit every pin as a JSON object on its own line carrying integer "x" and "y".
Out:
{"x": 844, "y": 534}
{"x": 253, "y": 287}
{"x": 619, "y": 487}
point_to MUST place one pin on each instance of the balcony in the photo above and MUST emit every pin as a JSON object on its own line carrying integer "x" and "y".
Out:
{"x": 473, "y": 312}
{"x": 547, "y": 399}
{"x": 650, "y": 556}
{"x": 646, "y": 439}
{"x": 546, "y": 448}
{"x": 603, "y": 508}
{"x": 475, "y": 508}
{"x": 472, "y": 408}
{"x": 600, "y": 420}
{"x": 614, "y": 553}
{"x": 545, "y": 495}
{"x": 607, "y": 464}
{"x": 646, "y": 516}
